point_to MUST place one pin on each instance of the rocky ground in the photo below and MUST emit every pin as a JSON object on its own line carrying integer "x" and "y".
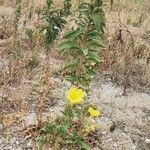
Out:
{"x": 125, "y": 120}
{"x": 124, "y": 123}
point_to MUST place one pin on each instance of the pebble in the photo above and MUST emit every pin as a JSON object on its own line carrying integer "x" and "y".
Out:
{"x": 3, "y": 41}
{"x": 115, "y": 145}
{"x": 109, "y": 140}
{"x": 29, "y": 144}
{"x": 13, "y": 140}
{"x": 67, "y": 84}
{"x": 104, "y": 132}
{"x": 3, "y": 64}
{"x": 30, "y": 119}
{"x": 1, "y": 126}
{"x": 134, "y": 147}
{"x": 147, "y": 141}
{"x": 19, "y": 148}
{"x": 8, "y": 148}
{"x": 17, "y": 142}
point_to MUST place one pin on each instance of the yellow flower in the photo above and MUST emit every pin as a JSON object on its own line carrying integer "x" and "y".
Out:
{"x": 89, "y": 128}
{"x": 93, "y": 63}
{"x": 75, "y": 95}
{"x": 93, "y": 112}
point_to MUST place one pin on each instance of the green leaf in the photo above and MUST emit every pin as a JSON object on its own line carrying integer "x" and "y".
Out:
{"x": 71, "y": 35}
{"x": 59, "y": 22}
{"x": 95, "y": 35}
{"x": 41, "y": 141}
{"x": 71, "y": 78}
{"x": 49, "y": 128}
{"x": 83, "y": 80}
{"x": 98, "y": 42}
{"x": 72, "y": 66}
{"x": 96, "y": 20}
{"x": 95, "y": 46}
{"x": 29, "y": 33}
{"x": 81, "y": 21}
{"x": 93, "y": 56}
{"x": 67, "y": 45}
{"x": 84, "y": 7}
{"x": 85, "y": 51}
{"x": 98, "y": 9}
{"x": 63, "y": 130}
{"x": 83, "y": 145}
{"x": 92, "y": 37}
{"x": 91, "y": 71}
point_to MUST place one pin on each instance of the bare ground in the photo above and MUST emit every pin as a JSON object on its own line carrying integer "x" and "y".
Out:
{"x": 124, "y": 123}
{"x": 125, "y": 120}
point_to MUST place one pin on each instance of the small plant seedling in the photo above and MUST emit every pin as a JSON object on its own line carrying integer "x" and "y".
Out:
{"x": 17, "y": 13}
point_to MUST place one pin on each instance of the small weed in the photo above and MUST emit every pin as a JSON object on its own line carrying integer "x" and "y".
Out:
{"x": 139, "y": 21}
{"x": 33, "y": 63}
{"x": 146, "y": 35}
{"x": 70, "y": 130}
{"x": 17, "y": 13}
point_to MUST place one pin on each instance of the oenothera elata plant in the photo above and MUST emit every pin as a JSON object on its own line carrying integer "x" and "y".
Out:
{"x": 83, "y": 43}
{"x": 71, "y": 129}
{"x": 54, "y": 19}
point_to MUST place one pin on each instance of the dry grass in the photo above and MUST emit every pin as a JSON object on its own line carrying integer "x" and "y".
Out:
{"x": 26, "y": 70}
{"x": 122, "y": 56}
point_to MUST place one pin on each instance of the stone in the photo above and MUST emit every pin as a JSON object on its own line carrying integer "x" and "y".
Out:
{"x": 147, "y": 141}
{"x": 134, "y": 147}
{"x": 115, "y": 145}
{"x": 30, "y": 119}
{"x": 19, "y": 148}
{"x": 1, "y": 126}
{"x": 17, "y": 142}
{"x": 13, "y": 140}
{"x": 67, "y": 84}
{"x": 29, "y": 144}
{"x": 2, "y": 62}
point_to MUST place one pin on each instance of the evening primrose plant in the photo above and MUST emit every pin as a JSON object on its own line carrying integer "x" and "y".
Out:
{"x": 55, "y": 20}
{"x": 83, "y": 43}
{"x": 71, "y": 129}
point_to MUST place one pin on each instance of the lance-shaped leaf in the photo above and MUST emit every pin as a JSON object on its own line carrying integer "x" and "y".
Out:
{"x": 93, "y": 56}
{"x": 85, "y": 51}
{"x": 73, "y": 34}
{"x": 67, "y": 45}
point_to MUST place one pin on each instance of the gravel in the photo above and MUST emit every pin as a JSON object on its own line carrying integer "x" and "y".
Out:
{"x": 123, "y": 125}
